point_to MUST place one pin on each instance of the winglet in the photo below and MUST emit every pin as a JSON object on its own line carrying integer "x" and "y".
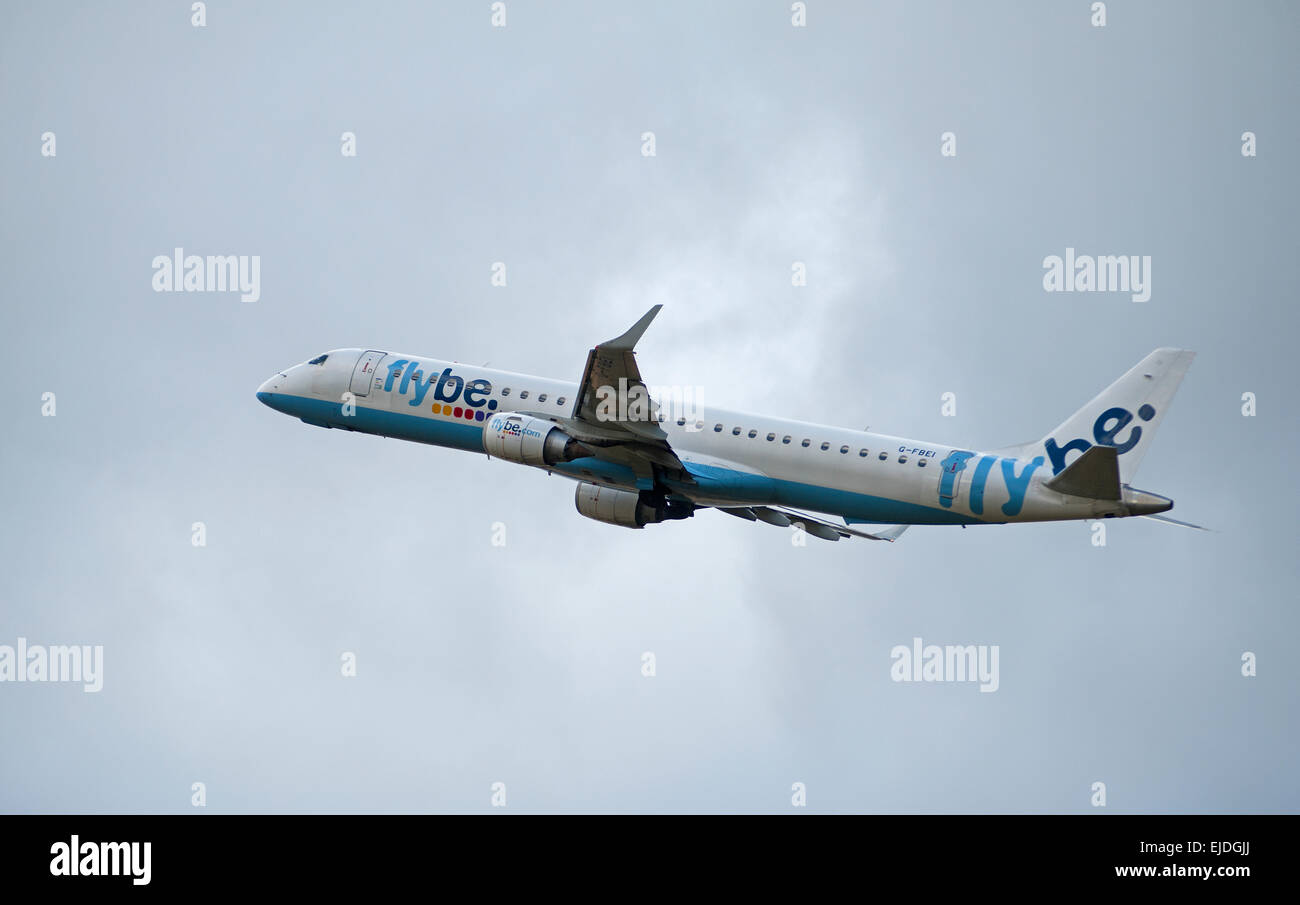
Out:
{"x": 629, "y": 339}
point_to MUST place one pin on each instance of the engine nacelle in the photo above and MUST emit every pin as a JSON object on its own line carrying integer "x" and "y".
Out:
{"x": 529, "y": 441}
{"x": 627, "y": 508}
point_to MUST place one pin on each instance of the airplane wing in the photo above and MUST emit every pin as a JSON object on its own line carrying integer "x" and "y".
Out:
{"x": 784, "y": 518}
{"x": 613, "y": 410}
{"x": 611, "y": 366}
{"x": 614, "y": 414}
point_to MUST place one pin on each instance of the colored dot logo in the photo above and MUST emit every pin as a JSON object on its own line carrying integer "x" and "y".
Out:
{"x": 468, "y": 414}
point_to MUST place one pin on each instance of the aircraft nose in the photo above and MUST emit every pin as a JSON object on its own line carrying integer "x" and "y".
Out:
{"x": 266, "y": 392}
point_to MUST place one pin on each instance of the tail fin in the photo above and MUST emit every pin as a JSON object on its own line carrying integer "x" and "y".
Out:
{"x": 1125, "y": 415}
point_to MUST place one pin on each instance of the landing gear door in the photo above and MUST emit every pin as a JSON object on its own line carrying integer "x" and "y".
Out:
{"x": 364, "y": 374}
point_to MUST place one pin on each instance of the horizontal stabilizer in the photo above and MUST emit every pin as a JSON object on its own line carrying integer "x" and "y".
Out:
{"x": 1094, "y": 475}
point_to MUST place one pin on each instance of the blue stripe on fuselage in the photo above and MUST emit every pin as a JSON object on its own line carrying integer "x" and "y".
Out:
{"x": 399, "y": 425}
{"x": 863, "y": 507}
{"x": 742, "y": 487}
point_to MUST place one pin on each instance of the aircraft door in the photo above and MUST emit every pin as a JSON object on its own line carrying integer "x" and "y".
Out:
{"x": 364, "y": 373}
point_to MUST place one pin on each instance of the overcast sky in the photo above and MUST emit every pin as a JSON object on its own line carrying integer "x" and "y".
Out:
{"x": 522, "y": 664}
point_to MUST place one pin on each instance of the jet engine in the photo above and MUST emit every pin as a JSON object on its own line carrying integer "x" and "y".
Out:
{"x": 529, "y": 441}
{"x": 628, "y": 508}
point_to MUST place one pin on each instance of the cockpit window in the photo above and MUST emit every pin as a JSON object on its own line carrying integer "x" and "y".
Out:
{"x": 319, "y": 359}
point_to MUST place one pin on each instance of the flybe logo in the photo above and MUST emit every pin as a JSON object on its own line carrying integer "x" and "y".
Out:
{"x": 1106, "y": 431}
{"x": 1017, "y": 484}
{"x": 448, "y": 389}
{"x": 512, "y": 428}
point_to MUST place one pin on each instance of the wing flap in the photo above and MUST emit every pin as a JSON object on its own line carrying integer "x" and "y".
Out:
{"x": 826, "y": 530}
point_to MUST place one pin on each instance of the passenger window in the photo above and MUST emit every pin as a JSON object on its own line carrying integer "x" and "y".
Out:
{"x": 862, "y": 453}
{"x": 920, "y": 463}
{"x": 825, "y": 446}
{"x": 785, "y": 439}
{"x": 771, "y": 437}
{"x": 681, "y": 422}
{"x": 717, "y": 428}
{"x": 884, "y": 456}
{"x": 805, "y": 443}
{"x": 843, "y": 450}
{"x": 541, "y": 398}
{"x": 560, "y": 401}
{"x": 735, "y": 432}
{"x": 753, "y": 434}
{"x": 902, "y": 460}
{"x": 506, "y": 391}
{"x": 699, "y": 425}
{"x": 523, "y": 394}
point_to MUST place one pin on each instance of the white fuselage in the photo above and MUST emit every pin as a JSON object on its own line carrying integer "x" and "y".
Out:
{"x": 735, "y": 458}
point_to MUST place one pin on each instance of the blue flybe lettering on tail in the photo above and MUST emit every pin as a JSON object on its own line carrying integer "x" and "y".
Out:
{"x": 447, "y": 387}
{"x": 1105, "y": 431}
{"x": 1017, "y": 484}
{"x": 977, "y": 483}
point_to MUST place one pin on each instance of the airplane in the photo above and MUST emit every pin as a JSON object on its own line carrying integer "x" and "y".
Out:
{"x": 635, "y": 465}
